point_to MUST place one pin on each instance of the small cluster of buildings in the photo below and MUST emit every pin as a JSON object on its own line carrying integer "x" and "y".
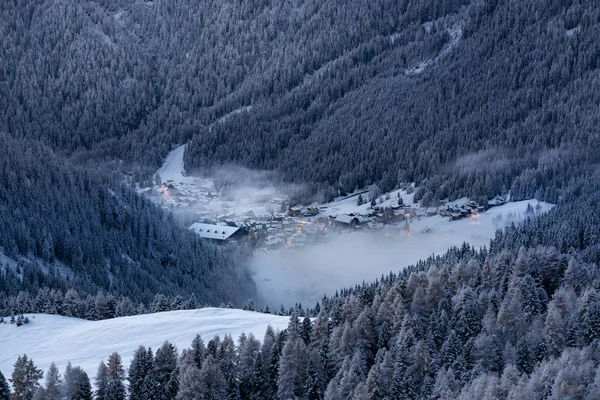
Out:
{"x": 300, "y": 226}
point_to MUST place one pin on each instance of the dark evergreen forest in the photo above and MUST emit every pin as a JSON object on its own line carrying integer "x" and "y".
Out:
{"x": 72, "y": 229}
{"x": 464, "y": 97}
{"x": 520, "y": 320}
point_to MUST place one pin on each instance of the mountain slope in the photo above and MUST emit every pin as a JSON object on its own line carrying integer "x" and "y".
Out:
{"x": 513, "y": 102}
{"x": 72, "y": 228}
{"x": 52, "y": 338}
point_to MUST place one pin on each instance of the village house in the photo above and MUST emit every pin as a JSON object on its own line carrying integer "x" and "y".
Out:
{"x": 347, "y": 221}
{"x": 219, "y": 233}
{"x": 295, "y": 212}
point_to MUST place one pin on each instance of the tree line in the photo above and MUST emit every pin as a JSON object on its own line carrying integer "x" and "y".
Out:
{"x": 520, "y": 319}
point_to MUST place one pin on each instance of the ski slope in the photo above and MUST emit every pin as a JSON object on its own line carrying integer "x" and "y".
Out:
{"x": 52, "y": 338}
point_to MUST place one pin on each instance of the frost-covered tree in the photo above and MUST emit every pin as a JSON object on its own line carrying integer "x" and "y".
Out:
{"x": 213, "y": 383}
{"x": 4, "y": 389}
{"x": 190, "y": 379}
{"x": 293, "y": 366}
{"x": 165, "y": 371}
{"x": 141, "y": 364}
{"x": 25, "y": 378}
{"x": 53, "y": 384}
{"x": 101, "y": 382}
{"x": 115, "y": 378}
{"x": 77, "y": 384}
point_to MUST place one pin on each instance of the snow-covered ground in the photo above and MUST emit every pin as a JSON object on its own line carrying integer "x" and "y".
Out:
{"x": 199, "y": 196}
{"x": 305, "y": 275}
{"x": 349, "y": 204}
{"x": 52, "y": 338}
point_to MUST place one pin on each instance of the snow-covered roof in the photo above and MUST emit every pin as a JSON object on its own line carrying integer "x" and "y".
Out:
{"x": 345, "y": 219}
{"x": 209, "y": 231}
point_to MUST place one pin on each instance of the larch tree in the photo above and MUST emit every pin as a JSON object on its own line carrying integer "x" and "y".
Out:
{"x": 101, "y": 382}
{"x": 53, "y": 383}
{"x": 115, "y": 382}
{"x": 214, "y": 386}
{"x": 190, "y": 379}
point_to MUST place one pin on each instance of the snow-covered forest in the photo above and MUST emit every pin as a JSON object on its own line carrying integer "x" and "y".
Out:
{"x": 509, "y": 322}
{"x": 454, "y": 99}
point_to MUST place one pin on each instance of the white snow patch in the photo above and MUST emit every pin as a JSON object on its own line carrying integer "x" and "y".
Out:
{"x": 573, "y": 31}
{"x": 53, "y": 338}
{"x": 455, "y": 33}
{"x": 234, "y": 112}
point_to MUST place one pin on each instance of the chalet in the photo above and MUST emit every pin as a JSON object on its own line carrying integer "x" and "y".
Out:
{"x": 363, "y": 219}
{"x": 274, "y": 241}
{"x": 455, "y": 216}
{"x": 279, "y": 200}
{"x": 311, "y": 212}
{"x": 399, "y": 215}
{"x": 431, "y": 211}
{"x": 295, "y": 212}
{"x": 497, "y": 201}
{"x": 279, "y": 217}
{"x": 347, "y": 221}
{"x": 219, "y": 233}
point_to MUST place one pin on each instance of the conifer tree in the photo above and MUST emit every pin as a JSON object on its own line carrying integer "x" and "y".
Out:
{"x": 101, "y": 381}
{"x": 77, "y": 384}
{"x": 25, "y": 378}
{"x": 53, "y": 384}
{"x": 199, "y": 351}
{"x": 4, "y": 389}
{"x": 115, "y": 374}
{"x": 190, "y": 379}
{"x": 191, "y": 303}
{"x": 214, "y": 385}
{"x": 138, "y": 370}
{"x": 165, "y": 370}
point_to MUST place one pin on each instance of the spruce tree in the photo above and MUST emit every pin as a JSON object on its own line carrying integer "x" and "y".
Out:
{"x": 191, "y": 304}
{"x": 25, "y": 378}
{"x": 115, "y": 386}
{"x": 4, "y": 389}
{"x": 165, "y": 370}
{"x": 138, "y": 369}
{"x": 77, "y": 384}
{"x": 53, "y": 384}
{"x": 101, "y": 382}
{"x": 199, "y": 351}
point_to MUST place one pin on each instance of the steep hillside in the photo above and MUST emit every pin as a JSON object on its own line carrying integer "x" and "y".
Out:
{"x": 72, "y": 228}
{"x": 510, "y": 103}
{"x": 159, "y": 72}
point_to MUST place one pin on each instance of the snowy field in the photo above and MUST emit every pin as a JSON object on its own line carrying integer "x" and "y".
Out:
{"x": 51, "y": 338}
{"x": 305, "y": 275}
